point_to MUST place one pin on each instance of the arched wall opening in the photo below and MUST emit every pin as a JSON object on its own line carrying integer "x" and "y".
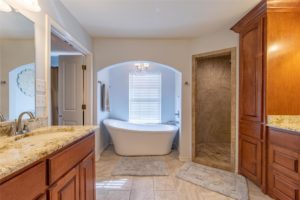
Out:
{"x": 115, "y": 79}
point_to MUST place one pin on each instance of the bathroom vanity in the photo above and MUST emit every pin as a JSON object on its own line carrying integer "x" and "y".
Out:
{"x": 59, "y": 163}
{"x": 269, "y": 86}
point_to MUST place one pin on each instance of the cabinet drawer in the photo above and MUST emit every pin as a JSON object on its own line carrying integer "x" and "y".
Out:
{"x": 251, "y": 129}
{"x": 62, "y": 162}
{"x": 284, "y": 160}
{"x": 282, "y": 187}
{"x": 289, "y": 140}
{"x": 27, "y": 186}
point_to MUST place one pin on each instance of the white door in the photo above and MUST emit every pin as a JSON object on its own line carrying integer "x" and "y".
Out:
{"x": 70, "y": 90}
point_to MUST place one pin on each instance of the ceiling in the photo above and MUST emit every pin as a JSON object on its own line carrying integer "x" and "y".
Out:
{"x": 157, "y": 18}
{"x": 13, "y": 25}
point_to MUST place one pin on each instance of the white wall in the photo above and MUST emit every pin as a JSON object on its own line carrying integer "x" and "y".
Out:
{"x": 119, "y": 83}
{"x": 216, "y": 41}
{"x": 174, "y": 53}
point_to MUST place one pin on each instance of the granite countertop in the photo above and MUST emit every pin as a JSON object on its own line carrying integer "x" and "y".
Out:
{"x": 17, "y": 152}
{"x": 287, "y": 122}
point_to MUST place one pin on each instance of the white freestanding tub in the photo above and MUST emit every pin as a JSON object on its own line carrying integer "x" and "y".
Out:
{"x": 140, "y": 139}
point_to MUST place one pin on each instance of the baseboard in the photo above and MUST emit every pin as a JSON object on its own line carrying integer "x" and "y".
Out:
{"x": 97, "y": 158}
{"x": 101, "y": 151}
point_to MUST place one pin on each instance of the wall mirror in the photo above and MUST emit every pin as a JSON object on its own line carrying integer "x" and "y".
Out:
{"x": 17, "y": 65}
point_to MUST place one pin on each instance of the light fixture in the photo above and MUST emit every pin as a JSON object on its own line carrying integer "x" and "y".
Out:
{"x": 31, "y": 5}
{"x": 274, "y": 48}
{"x": 4, "y": 7}
{"x": 142, "y": 66}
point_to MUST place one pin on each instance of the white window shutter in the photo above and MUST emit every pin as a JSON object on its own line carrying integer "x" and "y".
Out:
{"x": 145, "y": 98}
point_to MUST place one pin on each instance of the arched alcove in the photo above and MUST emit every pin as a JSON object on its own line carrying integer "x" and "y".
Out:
{"x": 115, "y": 78}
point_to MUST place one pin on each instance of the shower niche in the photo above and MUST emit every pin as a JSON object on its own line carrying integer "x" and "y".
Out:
{"x": 214, "y": 109}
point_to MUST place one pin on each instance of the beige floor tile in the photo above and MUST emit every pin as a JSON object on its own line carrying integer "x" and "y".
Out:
{"x": 164, "y": 183}
{"x": 169, "y": 195}
{"x": 154, "y": 188}
{"x": 101, "y": 194}
{"x": 119, "y": 183}
{"x": 118, "y": 195}
{"x": 143, "y": 183}
{"x": 142, "y": 195}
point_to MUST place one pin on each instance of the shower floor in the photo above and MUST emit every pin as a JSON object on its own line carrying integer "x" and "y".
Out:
{"x": 214, "y": 155}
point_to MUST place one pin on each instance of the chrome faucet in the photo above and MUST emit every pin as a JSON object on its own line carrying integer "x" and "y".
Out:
{"x": 2, "y": 118}
{"x": 20, "y": 129}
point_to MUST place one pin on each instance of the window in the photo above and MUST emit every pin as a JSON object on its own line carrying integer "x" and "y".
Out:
{"x": 145, "y": 98}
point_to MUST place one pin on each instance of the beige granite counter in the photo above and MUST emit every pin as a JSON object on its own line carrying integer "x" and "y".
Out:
{"x": 287, "y": 122}
{"x": 16, "y": 152}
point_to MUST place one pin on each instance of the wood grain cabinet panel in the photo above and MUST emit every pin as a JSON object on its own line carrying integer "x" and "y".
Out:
{"x": 250, "y": 158}
{"x": 251, "y": 129}
{"x": 251, "y": 94}
{"x": 283, "y": 164}
{"x": 284, "y": 161}
{"x": 27, "y": 186}
{"x": 62, "y": 162}
{"x": 67, "y": 188}
{"x": 251, "y": 73}
{"x": 282, "y": 187}
{"x": 42, "y": 197}
{"x": 87, "y": 178}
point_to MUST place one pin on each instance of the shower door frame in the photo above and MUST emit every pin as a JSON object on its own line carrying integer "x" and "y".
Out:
{"x": 234, "y": 133}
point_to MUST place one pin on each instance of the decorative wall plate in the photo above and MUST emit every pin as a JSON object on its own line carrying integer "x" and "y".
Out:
{"x": 26, "y": 82}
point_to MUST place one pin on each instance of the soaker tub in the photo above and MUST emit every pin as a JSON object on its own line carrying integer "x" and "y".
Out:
{"x": 140, "y": 139}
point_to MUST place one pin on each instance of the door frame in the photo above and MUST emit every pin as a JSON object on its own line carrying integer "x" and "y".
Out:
{"x": 88, "y": 60}
{"x": 234, "y": 132}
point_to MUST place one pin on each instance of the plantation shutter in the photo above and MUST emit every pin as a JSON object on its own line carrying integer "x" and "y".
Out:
{"x": 145, "y": 98}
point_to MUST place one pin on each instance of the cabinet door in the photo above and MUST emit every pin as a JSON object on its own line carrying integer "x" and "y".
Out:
{"x": 250, "y": 158}
{"x": 87, "y": 178}
{"x": 42, "y": 197}
{"x": 67, "y": 188}
{"x": 251, "y": 72}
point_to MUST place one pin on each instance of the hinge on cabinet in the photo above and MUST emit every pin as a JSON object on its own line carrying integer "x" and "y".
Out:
{"x": 83, "y": 106}
{"x": 83, "y": 67}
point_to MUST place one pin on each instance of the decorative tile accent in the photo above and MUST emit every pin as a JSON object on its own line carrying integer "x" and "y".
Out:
{"x": 289, "y": 122}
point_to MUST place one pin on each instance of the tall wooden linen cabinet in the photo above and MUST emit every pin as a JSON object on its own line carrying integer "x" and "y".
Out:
{"x": 256, "y": 30}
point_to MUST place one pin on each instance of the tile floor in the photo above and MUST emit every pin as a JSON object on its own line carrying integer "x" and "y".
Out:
{"x": 153, "y": 188}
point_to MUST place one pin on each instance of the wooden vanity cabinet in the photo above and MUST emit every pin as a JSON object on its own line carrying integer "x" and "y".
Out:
{"x": 30, "y": 184}
{"x": 283, "y": 164}
{"x": 66, "y": 188}
{"x": 251, "y": 94}
{"x": 269, "y": 38}
{"x": 87, "y": 177}
{"x": 68, "y": 174}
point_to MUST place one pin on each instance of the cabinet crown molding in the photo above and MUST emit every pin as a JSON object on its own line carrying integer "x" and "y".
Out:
{"x": 263, "y": 8}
